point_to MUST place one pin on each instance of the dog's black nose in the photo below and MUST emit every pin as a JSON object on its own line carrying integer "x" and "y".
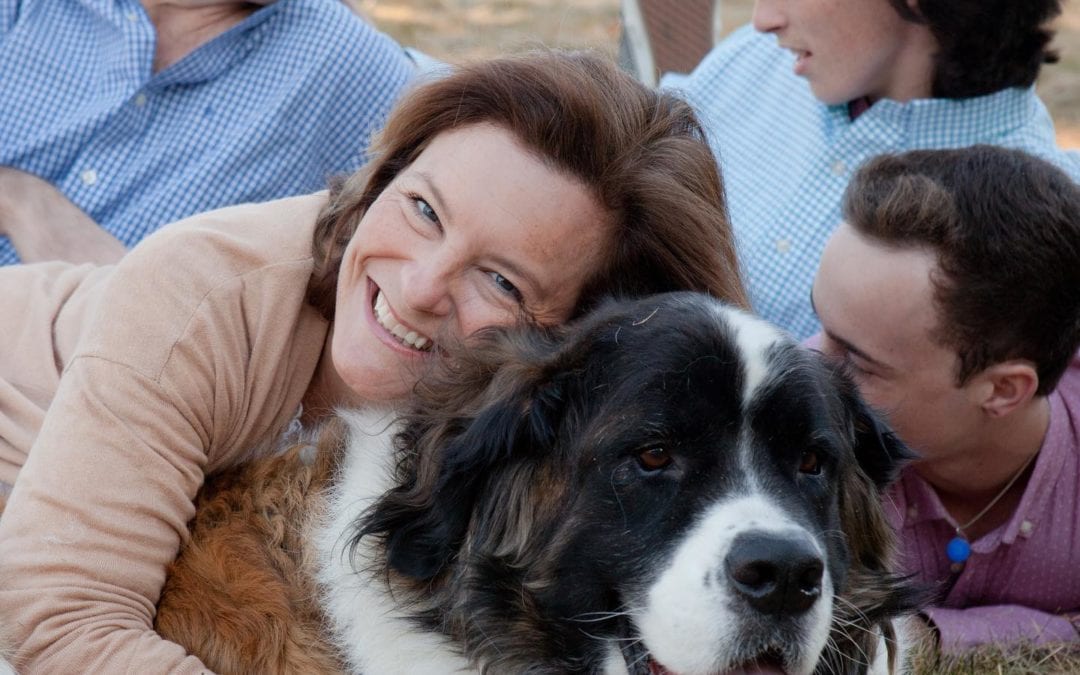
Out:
{"x": 776, "y": 574}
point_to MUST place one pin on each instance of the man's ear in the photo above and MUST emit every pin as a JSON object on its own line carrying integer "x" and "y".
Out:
{"x": 1006, "y": 387}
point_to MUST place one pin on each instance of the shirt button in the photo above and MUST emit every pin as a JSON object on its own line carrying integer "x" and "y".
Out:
{"x": 839, "y": 168}
{"x": 783, "y": 245}
{"x": 1026, "y": 528}
{"x": 912, "y": 512}
{"x": 89, "y": 177}
{"x": 140, "y": 100}
{"x": 132, "y": 17}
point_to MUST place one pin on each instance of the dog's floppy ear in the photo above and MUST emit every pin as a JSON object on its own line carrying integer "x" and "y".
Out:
{"x": 426, "y": 518}
{"x": 880, "y": 452}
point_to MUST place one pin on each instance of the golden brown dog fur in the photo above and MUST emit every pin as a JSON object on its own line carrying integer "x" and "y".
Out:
{"x": 247, "y": 546}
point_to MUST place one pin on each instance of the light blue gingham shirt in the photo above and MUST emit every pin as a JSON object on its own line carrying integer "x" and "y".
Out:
{"x": 786, "y": 157}
{"x": 270, "y": 108}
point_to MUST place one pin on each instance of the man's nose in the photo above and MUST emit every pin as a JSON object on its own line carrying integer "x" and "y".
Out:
{"x": 769, "y": 16}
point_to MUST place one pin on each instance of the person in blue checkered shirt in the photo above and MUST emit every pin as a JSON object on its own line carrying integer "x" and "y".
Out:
{"x": 119, "y": 116}
{"x": 795, "y": 103}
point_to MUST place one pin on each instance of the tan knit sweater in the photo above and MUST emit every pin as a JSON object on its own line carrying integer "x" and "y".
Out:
{"x": 191, "y": 352}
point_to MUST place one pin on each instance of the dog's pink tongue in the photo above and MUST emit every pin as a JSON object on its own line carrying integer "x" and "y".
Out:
{"x": 762, "y": 667}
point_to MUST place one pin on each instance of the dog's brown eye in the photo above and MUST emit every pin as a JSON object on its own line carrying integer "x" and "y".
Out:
{"x": 809, "y": 463}
{"x": 654, "y": 459}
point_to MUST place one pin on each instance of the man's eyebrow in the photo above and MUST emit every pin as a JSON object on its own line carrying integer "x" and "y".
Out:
{"x": 848, "y": 347}
{"x": 852, "y": 349}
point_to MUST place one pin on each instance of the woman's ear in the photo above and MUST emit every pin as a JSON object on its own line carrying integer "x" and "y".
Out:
{"x": 1006, "y": 387}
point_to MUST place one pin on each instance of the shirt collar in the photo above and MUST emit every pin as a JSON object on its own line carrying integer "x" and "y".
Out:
{"x": 941, "y": 122}
{"x": 220, "y": 54}
{"x": 916, "y": 502}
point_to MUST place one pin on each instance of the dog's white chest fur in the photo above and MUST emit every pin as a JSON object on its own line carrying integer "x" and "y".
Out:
{"x": 368, "y": 626}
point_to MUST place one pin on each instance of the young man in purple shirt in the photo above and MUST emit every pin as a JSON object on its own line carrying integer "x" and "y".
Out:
{"x": 952, "y": 294}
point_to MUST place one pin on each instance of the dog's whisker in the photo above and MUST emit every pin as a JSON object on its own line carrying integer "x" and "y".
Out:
{"x": 859, "y": 619}
{"x": 843, "y": 654}
{"x": 589, "y": 617}
{"x": 831, "y": 646}
{"x": 627, "y": 640}
{"x": 598, "y": 638}
{"x": 644, "y": 657}
{"x": 858, "y": 627}
{"x": 857, "y": 647}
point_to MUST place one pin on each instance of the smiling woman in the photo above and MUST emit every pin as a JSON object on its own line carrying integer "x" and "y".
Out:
{"x": 518, "y": 189}
{"x": 476, "y": 232}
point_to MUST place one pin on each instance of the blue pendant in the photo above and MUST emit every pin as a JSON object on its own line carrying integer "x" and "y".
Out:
{"x": 958, "y": 550}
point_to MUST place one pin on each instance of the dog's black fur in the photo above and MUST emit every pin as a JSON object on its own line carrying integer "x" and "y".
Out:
{"x": 552, "y": 476}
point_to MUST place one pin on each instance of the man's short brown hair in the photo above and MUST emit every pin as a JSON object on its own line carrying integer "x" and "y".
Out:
{"x": 1005, "y": 228}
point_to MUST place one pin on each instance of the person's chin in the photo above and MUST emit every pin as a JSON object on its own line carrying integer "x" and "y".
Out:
{"x": 381, "y": 384}
{"x": 828, "y": 95}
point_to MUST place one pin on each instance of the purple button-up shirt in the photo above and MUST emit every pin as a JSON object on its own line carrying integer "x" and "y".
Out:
{"x": 1022, "y": 581}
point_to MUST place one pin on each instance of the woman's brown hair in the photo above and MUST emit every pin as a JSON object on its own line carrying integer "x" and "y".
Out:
{"x": 641, "y": 152}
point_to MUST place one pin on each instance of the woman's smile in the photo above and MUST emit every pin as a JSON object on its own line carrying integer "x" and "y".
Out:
{"x": 478, "y": 231}
{"x": 396, "y": 333}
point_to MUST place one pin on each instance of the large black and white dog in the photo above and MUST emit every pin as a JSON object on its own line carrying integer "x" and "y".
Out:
{"x": 668, "y": 486}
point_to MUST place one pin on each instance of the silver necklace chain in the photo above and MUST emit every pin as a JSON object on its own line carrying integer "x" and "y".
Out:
{"x": 1016, "y": 476}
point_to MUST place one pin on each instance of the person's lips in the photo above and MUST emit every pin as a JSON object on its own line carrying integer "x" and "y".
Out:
{"x": 388, "y": 320}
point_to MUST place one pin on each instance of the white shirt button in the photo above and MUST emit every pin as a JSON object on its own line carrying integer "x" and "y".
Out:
{"x": 783, "y": 245}
{"x": 839, "y": 168}
{"x": 89, "y": 177}
{"x": 1026, "y": 528}
{"x": 140, "y": 99}
{"x": 132, "y": 17}
{"x": 912, "y": 512}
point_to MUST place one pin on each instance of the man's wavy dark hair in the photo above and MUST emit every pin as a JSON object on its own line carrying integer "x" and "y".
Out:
{"x": 1005, "y": 228}
{"x": 986, "y": 45}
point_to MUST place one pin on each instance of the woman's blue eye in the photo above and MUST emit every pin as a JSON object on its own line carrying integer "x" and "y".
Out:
{"x": 425, "y": 210}
{"x": 506, "y": 285}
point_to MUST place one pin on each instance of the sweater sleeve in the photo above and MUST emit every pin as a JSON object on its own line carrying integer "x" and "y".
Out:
{"x": 95, "y": 517}
{"x": 201, "y": 347}
{"x": 43, "y": 308}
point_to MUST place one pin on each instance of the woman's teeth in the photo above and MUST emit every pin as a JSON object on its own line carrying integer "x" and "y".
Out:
{"x": 409, "y": 338}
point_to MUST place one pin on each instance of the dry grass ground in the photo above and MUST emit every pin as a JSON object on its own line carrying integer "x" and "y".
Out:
{"x": 464, "y": 29}
{"x": 1059, "y": 659}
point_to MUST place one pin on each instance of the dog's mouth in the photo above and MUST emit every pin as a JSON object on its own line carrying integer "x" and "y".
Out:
{"x": 770, "y": 660}
{"x": 768, "y": 663}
